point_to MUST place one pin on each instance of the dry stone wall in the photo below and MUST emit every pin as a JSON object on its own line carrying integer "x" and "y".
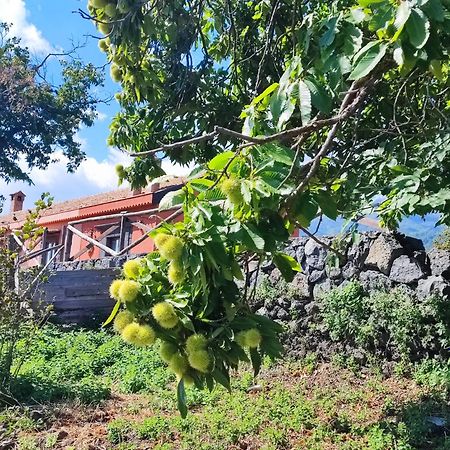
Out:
{"x": 378, "y": 260}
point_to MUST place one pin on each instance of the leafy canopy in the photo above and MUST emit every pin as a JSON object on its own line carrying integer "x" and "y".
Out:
{"x": 268, "y": 66}
{"x": 36, "y": 118}
{"x": 310, "y": 109}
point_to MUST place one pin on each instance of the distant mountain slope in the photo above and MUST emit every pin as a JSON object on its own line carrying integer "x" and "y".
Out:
{"x": 415, "y": 226}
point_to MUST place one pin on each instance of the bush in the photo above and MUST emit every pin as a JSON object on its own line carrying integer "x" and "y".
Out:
{"x": 434, "y": 374}
{"x": 391, "y": 325}
{"x": 21, "y": 313}
{"x": 442, "y": 242}
{"x": 118, "y": 430}
{"x": 344, "y": 310}
{"x": 153, "y": 428}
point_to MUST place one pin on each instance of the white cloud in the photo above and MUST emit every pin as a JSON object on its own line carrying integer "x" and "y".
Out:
{"x": 102, "y": 174}
{"x": 101, "y": 116}
{"x": 14, "y": 12}
{"x": 176, "y": 169}
{"x": 82, "y": 141}
{"x": 93, "y": 176}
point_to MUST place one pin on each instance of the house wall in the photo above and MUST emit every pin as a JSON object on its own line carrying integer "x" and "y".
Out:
{"x": 95, "y": 228}
{"x": 56, "y": 222}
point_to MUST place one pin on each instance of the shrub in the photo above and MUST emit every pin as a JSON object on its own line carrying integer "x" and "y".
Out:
{"x": 442, "y": 242}
{"x": 21, "y": 313}
{"x": 118, "y": 430}
{"x": 84, "y": 365}
{"x": 433, "y": 374}
{"x": 344, "y": 310}
{"x": 153, "y": 428}
{"x": 391, "y": 325}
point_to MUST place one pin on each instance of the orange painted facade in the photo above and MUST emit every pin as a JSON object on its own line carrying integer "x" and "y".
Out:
{"x": 126, "y": 230}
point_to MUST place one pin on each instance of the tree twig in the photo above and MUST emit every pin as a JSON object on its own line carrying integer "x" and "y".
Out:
{"x": 315, "y": 125}
{"x": 164, "y": 147}
{"x": 346, "y": 110}
{"x": 322, "y": 243}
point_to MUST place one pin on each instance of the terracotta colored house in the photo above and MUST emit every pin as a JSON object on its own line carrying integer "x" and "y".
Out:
{"x": 115, "y": 220}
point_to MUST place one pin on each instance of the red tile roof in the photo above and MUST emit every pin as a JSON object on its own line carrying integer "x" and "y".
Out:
{"x": 80, "y": 207}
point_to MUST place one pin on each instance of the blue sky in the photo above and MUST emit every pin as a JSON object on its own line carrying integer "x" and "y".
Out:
{"x": 45, "y": 26}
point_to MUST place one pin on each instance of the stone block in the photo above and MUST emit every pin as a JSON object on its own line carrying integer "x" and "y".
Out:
{"x": 382, "y": 253}
{"x": 440, "y": 263}
{"x": 301, "y": 287}
{"x": 433, "y": 285}
{"x": 372, "y": 280}
{"x": 406, "y": 270}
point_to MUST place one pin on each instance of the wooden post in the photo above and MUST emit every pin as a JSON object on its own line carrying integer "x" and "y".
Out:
{"x": 20, "y": 243}
{"x": 12, "y": 247}
{"x": 106, "y": 233}
{"x": 92, "y": 241}
{"x": 123, "y": 221}
{"x": 67, "y": 245}
{"x": 44, "y": 243}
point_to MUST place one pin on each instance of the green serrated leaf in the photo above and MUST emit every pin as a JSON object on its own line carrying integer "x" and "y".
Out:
{"x": 287, "y": 265}
{"x": 434, "y": 10}
{"x": 196, "y": 172}
{"x": 201, "y": 184}
{"x": 246, "y": 191}
{"x": 221, "y": 376}
{"x": 320, "y": 99}
{"x": 367, "y": 59}
{"x": 256, "y": 360}
{"x": 304, "y": 97}
{"x": 436, "y": 69}
{"x": 353, "y": 38}
{"x": 113, "y": 314}
{"x": 265, "y": 93}
{"x": 243, "y": 323}
{"x": 305, "y": 209}
{"x": 398, "y": 55}
{"x": 272, "y": 347}
{"x": 328, "y": 37}
{"x": 236, "y": 269}
{"x": 211, "y": 195}
{"x": 209, "y": 382}
{"x": 287, "y": 108}
{"x": 220, "y": 161}
{"x": 172, "y": 200}
{"x": 327, "y": 204}
{"x": 277, "y": 152}
{"x": 418, "y": 28}
{"x": 252, "y": 238}
{"x": 370, "y": 2}
{"x": 401, "y": 16}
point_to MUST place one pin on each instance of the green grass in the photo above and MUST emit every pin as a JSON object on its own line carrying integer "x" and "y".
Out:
{"x": 301, "y": 405}
{"x": 83, "y": 365}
